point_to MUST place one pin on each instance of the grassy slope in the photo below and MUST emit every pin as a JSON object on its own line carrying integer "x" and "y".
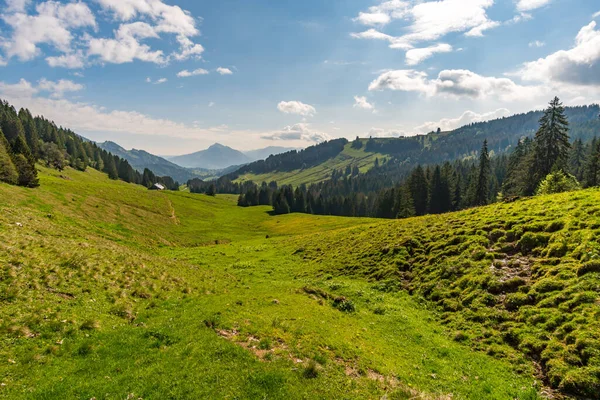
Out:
{"x": 349, "y": 156}
{"x": 109, "y": 289}
{"x": 510, "y": 279}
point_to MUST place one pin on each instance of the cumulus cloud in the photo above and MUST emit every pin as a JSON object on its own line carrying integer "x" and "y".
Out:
{"x": 59, "y": 25}
{"x": 17, "y": 5}
{"x": 186, "y": 74}
{"x": 300, "y": 132}
{"x": 453, "y": 83}
{"x": 528, "y": 5}
{"x": 362, "y": 103}
{"x": 384, "y": 133}
{"x": 579, "y": 65}
{"x": 416, "y": 56}
{"x": 224, "y": 71}
{"x": 51, "y": 25}
{"x": 296, "y": 107}
{"x": 59, "y": 88}
{"x": 74, "y": 60}
{"x": 156, "y": 82}
{"x": 468, "y": 117}
{"x": 428, "y": 21}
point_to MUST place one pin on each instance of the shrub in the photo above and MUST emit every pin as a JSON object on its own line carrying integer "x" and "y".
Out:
{"x": 558, "y": 182}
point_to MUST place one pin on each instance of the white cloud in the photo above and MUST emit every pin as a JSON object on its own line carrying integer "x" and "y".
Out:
{"x": 454, "y": 83}
{"x": 224, "y": 71}
{"x": 596, "y": 15}
{"x": 17, "y": 5}
{"x": 299, "y": 132}
{"x": 403, "y": 80}
{"x": 59, "y": 88}
{"x": 51, "y": 25}
{"x": 187, "y": 49}
{"x": 71, "y": 61}
{"x": 156, "y": 82}
{"x": 211, "y": 104}
{"x": 468, "y": 117}
{"x": 383, "y": 13}
{"x": 186, "y": 74}
{"x": 125, "y": 47}
{"x": 361, "y": 102}
{"x": 528, "y": 5}
{"x": 384, "y": 133}
{"x": 536, "y": 43}
{"x": 376, "y": 18}
{"x": 578, "y": 66}
{"x": 169, "y": 19}
{"x": 416, "y": 56}
{"x": 21, "y": 90}
{"x": 58, "y": 25}
{"x": 430, "y": 21}
{"x": 296, "y": 107}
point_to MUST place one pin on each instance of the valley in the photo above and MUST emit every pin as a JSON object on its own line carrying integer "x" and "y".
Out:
{"x": 224, "y": 302}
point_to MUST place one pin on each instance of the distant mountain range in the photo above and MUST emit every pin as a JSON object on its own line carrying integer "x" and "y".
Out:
{"x": 218, "y": 156}
{"x": 213, "y": 162}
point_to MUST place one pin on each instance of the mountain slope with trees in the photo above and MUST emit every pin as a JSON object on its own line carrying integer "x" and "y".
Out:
{"x": 398, "y": 156}
{"x": 25, "y": 140}
{"x": 140, "y": 160}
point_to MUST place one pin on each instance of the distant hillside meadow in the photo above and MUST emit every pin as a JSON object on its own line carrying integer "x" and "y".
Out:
{"x": 470, "y": 268}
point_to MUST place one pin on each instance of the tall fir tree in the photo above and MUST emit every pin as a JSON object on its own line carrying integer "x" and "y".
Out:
{"x": 551, "y": 144}
{"x": 482, "y": 188}
{"x": 8, "y": 171}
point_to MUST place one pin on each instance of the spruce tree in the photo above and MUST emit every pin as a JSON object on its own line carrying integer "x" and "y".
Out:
{"x": 8, "y": 171}
{"x": 110, "y": 167}
{"x": 419, "y": 191}
{"x": 27, "y": 172}
{"x": 551, "y": 144}
{"x": 577, "y": 160}
{"x": 482, "y": 193}
{"x": 592, "y": 167}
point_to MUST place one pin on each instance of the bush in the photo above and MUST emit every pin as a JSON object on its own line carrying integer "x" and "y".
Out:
{"x": 343, "y": 304}
{"x": 558, "y": 182}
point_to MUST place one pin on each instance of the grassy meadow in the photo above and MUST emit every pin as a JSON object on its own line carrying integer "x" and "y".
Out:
{"x": 110, "y": 291}
{"x": 348, "y": 157}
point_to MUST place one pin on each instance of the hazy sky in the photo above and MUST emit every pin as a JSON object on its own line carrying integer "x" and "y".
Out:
{"x": 175, "y": 76}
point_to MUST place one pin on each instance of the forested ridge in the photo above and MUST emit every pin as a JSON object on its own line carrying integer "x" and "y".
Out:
{"x": 25, "y": 140}
{"x": 398, "y": 190}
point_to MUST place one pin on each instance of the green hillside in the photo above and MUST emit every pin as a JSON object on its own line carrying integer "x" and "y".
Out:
{"x": 109, "y": 290}
{"x": 348, "y": 157}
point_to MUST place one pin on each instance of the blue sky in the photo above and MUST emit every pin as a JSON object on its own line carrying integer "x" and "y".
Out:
{"x": 174, "y": 76}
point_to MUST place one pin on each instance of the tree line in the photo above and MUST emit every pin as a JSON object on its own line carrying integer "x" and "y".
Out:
{"x": 548, "y": 162}
{"x": 25, "y": 140}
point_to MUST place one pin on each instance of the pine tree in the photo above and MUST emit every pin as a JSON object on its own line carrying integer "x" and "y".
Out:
{"x": 212, "y": 190}
{"x": 30, "y": 130}
{"x": 439, "y": 195}
{"x": 551, "y": 144}
{"x": 110, "y": 167}
{"x": 577, "y": 160}
{"x": 419, "y": 191}
{"x": 405, "y": 203}
{"x": 8, "y": 171}
{"x": 299, "y": 201}
{"x": 592, "y": 167}
{"x": 27, "y": 172}
{"x": 482, "y": 190}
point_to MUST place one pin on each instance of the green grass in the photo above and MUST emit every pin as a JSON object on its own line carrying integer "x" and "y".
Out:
{"x": 348, "y": 157}
{"x": 109, "y": 290}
